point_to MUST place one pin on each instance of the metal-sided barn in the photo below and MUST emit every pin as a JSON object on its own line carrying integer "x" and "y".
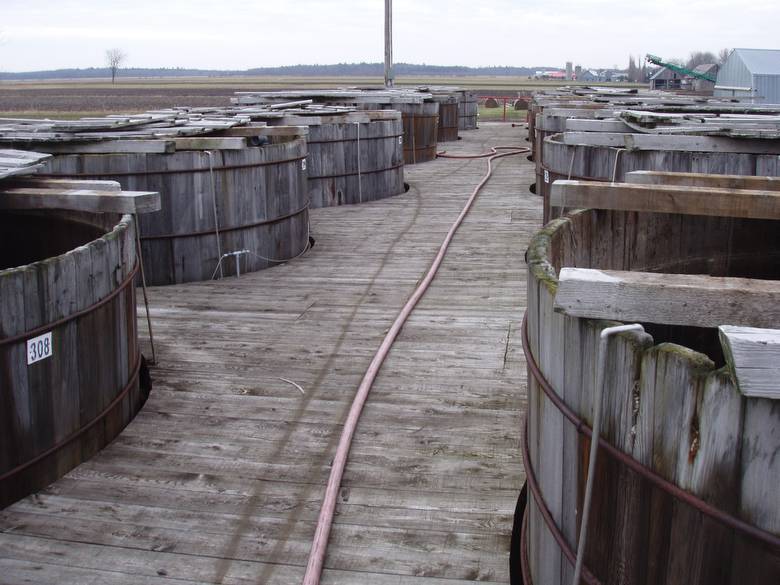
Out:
{"x": 751, "y": 73}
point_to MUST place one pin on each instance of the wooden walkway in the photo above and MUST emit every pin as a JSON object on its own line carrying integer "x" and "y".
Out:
{"x": 219, "y": 479}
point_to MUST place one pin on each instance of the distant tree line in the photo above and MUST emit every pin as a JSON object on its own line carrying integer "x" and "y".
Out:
{"x": 337, "y": 70}
{"x": 637, "y": 69}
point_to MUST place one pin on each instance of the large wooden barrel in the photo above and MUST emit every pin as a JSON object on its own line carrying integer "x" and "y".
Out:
{"x": 355, "y": 162}
{"x": 69, "y": 356}
{"x": 670, "y": 405}
{"x": 468, "y": 110}
{"x": 448, "y": 117}
{"x": 552, "y": 120}
{"x": 421, "y": 130}
{"x": 421, "y": 127}
{"x": 585, "y": 156}
{"x": 213, "y": 203}
{"x": 419, "y": 111}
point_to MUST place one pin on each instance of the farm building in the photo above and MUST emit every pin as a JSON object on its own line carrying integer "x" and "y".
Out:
{"x": 751, "y": 73}
{"x": 589, "y": 75}
{"x": 665, "y": 78}
{"x": 702, "y": 85}
{"x": 550, "y": 75}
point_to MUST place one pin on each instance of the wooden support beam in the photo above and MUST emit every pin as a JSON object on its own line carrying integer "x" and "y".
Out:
{"x": 287, "y": 105}
{"x": 670, "y": 299}
{"x": 244, "y": 131}
{"x": 672, "y": 142}
{"x": 382, "y": 114}
{"x": 108, "y": 147}
{"x": 702, "y": 180}
{"x": 257, "y": 131}
{"x": 113, "y": 201}
{"x": 345, "y": 118}
{"x": 21, "y": 157}
{"x": 578, "y": 125}
{"x": 581, "y": 112}
{"x": 14, "y": 163}
{"x": 210, "y": 143}
{"x": 753, "y": 356}
{"x": 64, "y": 184}
{"x": 666, "y": 199}
{"x": 293, "y": 120}
{"x": 284, "y": 131}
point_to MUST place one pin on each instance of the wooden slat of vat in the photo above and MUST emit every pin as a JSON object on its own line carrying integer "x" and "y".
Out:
{"x": 673, "y": 299}
{"x": 666, "y": 369}
{"x": 550, "y": 428}
{"x": 708, "y": 466}
{"x": 533, "y": 316}
{"x": 758, "y": 497}
{"x": 59, "y": 280}
{"x": 15, "y": 402}
{"x": 622, "y": 494}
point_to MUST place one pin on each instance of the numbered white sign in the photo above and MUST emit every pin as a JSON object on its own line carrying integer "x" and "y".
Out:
{"x": 546, "y": 176}
{"x": 39, "y": 348}
{"x": 303, "y": 165}
{"x": 400, "y": 140}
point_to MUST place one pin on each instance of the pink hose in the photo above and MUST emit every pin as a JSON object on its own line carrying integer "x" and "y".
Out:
{"x": 325, "y": 521}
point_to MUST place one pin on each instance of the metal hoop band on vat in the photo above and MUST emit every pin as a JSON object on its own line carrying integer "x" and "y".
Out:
{"x": 228, "y": 229}
{"x": 104, "y": 175}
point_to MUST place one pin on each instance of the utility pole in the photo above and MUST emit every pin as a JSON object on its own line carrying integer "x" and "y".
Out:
{"x": 389, "y": 77}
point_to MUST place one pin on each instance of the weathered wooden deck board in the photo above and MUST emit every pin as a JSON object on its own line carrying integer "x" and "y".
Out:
{"x": 219, "y": 479}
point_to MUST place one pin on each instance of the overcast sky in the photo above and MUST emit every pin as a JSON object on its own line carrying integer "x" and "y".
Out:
{"x": 241, "y": 34}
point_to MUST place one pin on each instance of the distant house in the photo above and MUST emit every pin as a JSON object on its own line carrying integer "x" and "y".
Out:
{"x": 665, "y": 78}
{"x": 550, "y": 74}
{"x": 751, "y": 73}
{"x": 589, "y": 75}
{"x": 702, "y": 85}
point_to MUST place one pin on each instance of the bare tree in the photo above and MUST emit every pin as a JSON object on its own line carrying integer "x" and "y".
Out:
{"x": 700, "y": 58}
{"x": 114, "y": 59}
{"x": 723, "y": 54}
{"x": 632, "y": 70}
{"x": 675, "y": 61}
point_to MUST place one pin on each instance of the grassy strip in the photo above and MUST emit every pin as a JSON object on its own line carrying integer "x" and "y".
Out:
{"x": 497, "y": 114}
